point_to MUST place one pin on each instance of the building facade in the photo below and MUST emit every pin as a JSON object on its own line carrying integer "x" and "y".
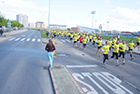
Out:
{"x": 56, "y": 26}
{"x": 22, "y": 19}
{"x": 75, "y": 29}
{"x": 87, "y": 29}
{"x": 31, "y": 25}
{"x": 40, "y": 24}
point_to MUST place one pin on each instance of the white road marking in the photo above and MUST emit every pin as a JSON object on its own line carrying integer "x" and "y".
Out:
{"x": 28, "y": 39}
{"x": 33, "y": 39}
{"x": 38, "y": 40}
{"x": 87, "y": 74}
{"x": 11, "y": 39}
{"x": 23, "y": 39}
{"x": 17, "y": 39}
{"x": 68, "y": 40}
{"x": 78, "y": 77}
{"x": 63, "y": 40}
{"x": 133, "y": 63}
{"x": 81, "y": 66}
{"x": 109, "y": 80}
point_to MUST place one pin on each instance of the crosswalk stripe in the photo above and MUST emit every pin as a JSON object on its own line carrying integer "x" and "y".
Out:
{"x": 17, "y": 39}
{"x": 81, "y": 66}
{"x": 38, "y": 40}
{"x": 23, "y": 39}
{"x": 33, "y": 39}
{"x": 11, "y": 39}
{"x": 28, "y": 39}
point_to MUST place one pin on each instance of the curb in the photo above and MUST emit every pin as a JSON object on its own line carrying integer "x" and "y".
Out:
{"x": 54, "y": 81}
{"x": 6, "y": 38}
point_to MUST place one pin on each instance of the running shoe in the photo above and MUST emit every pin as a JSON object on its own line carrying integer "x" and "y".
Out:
{"x": 123, "y": 63}
{"x": 132, "y": 58}
{"x": 100, "y": 55}
{"x": 117, "y": 64}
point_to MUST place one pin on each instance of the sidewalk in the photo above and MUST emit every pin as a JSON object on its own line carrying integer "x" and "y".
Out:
{"x": 63, "y": 82}
{"x": 9, "y": 34}
{"x": 134, "y": 50}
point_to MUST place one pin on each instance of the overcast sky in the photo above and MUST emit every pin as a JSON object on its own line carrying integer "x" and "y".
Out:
{"x": 123, "y": 15}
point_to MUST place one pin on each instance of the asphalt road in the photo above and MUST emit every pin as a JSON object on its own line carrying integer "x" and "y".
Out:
{"x": 95, "y": 78}
{"x": 22, "y": 59}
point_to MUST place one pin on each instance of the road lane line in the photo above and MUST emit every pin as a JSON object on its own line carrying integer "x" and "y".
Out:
{"x": 11, "y": 39}
{"x": 17, "y": 39}
{"x": 28, "y": 39}
{"x": 23, "y": 39}
{"x": 38, "y": 40}
{"x": 33, "y": 39}
{"x": 81, "y": 66}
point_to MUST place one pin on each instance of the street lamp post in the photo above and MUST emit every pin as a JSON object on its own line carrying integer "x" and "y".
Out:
{"x": 49, "y": 17}
{"x": 92, "y": 12}
{"x": 95, "y": 23}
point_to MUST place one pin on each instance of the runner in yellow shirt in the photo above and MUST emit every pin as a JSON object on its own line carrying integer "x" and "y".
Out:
{"x": 105, "y": 50}
{"x": 110, "y": 43}
{"x": 138, "y": 43}
{"x": 122, "y": 51}
{"x": 114, "y": 40}
{"x": 99, "y": 42}
{"x": 115, "y": 52}
{"x": 62, "y": 34}
{"x": 120, "y": 43}
{"x": 84, "y": 43}
{"x": 71, "y": 37}
{"x": 94, "y": 39}
{"x": 75, "y": 41}
{"x": 131, "y": 45}
{"x": 90, "y": 38}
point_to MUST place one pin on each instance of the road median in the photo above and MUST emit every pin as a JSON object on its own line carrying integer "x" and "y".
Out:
{"x": 63, "y": 82}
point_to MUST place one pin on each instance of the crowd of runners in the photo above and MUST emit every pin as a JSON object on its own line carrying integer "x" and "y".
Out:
{"x": 116, "y": 46}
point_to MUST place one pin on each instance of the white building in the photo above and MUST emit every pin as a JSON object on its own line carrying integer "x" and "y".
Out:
{"x": 23, "y": 19}
{"x": 31, "y": 25}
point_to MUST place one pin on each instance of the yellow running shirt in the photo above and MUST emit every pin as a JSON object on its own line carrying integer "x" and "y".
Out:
{"x": 75, "y": 38}
{"x": 109, "y": 43}
{"x": 131, "y": 45}
{"x": 94, "y": 38}
{"x": 120, "y": 44}
{"x": 84, "y": 41}
{"x": 106, "y": 49}
{"x": 138, "y": 40}
{"x": 99, "y": 43}
{"x": 116, "y": 48}
{"x": 114, "y": 41}
{"x": 123, "y": 46}
{"x": 90, "y": 37}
